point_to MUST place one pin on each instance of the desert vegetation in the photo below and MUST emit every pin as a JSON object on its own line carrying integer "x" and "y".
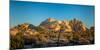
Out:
{"x": 51, "y": 33}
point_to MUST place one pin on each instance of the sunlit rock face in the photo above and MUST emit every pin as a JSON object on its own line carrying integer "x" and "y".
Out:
{"x": 50, "y": 24}
{"x": 65, "y": 26}
{"x": 13, "y": 31}
{"x": 56, "y": 25}
{"x": 22, "y": 28}
{"x": 50, "y": 19}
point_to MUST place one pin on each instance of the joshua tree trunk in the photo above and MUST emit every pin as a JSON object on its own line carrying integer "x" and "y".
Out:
{"x": 58, "y": 41}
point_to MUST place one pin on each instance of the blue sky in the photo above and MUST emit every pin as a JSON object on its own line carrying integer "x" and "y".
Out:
{"x": 35, "y": 12}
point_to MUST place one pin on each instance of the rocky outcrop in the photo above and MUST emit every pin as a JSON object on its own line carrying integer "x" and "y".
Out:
{"x": 52, "y": 32}
{"x": 56, "y": 25}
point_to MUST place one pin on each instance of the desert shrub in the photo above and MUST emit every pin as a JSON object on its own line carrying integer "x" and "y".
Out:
{"x": 17, "y": 41}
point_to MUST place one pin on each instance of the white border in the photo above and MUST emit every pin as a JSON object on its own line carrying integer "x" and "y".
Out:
{"x": 4, "y": 24}
{"x": 80, "y": 2}
{"x": 4, "y": 29}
